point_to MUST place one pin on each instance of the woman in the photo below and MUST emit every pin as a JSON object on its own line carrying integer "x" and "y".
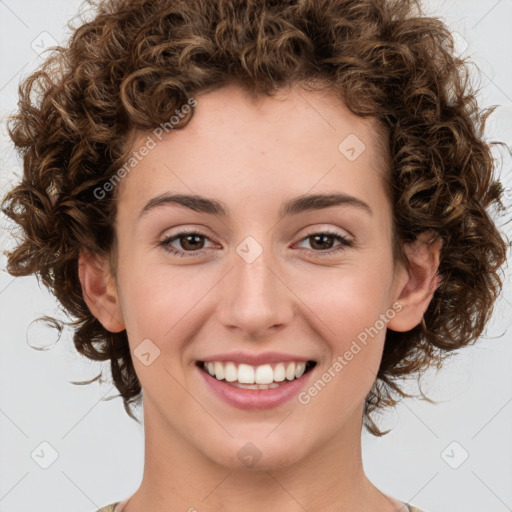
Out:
{"x": 264, "y": 214}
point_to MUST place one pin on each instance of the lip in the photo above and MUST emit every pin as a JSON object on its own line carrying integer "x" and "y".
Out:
{"x": 255, "y": 398}
{"x": 256, "y": 359}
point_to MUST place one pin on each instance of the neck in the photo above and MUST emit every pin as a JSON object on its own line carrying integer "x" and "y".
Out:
{"x": 179, "y": 477}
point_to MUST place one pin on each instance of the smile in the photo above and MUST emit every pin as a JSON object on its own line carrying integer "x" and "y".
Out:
{"x": 266, "y": 376}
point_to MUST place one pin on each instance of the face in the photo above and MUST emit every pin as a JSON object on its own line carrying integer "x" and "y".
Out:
{"x": 256, "y": 284}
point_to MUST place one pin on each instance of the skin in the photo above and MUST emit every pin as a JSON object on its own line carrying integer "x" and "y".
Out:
{"x": 254, "y": 154}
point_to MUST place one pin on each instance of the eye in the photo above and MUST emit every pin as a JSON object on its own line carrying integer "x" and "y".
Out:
{"x": 190, "y": 241}
{"x": 321, "y": 241}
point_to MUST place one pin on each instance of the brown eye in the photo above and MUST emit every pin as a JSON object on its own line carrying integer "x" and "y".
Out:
{"x": 188, "y": 242}
{"x": 323, "y": 242}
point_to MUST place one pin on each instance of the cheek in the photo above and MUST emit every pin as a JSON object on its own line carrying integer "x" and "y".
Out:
{"x": 168, "y": 307}
{"x": 353, "y": 332}
{"x": 350, "y": 312}
{"x": 341, "y": 302}
{"x": 348, "y": 300}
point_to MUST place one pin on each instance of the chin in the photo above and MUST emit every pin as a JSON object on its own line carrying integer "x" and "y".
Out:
{"x": 257, "y": 453}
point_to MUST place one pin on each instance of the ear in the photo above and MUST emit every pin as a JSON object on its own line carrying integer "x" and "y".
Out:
{"x": 418, "y": 282}
{"x": 99, "y": 290}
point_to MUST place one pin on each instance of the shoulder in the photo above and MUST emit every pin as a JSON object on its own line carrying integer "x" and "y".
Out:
{"x": 110, "y": 508}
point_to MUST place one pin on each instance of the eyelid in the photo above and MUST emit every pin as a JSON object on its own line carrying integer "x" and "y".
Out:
{"x": 345, "y": 242}
{"x": 335, "y": 231}
{"x": 166, "y": 239}
{"x": 313, "y": 231}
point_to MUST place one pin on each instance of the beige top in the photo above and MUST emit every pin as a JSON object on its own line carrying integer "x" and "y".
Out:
{"x": 118, "y": 507}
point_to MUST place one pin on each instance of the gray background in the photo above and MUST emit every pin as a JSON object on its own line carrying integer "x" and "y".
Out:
{"x": 99, "y": 450}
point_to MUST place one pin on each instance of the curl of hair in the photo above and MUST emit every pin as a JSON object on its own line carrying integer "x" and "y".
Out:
{"x": 129, "y": 67}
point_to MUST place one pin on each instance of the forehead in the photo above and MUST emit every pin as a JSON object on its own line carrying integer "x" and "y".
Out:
{"x": 291, "y": 140}
{"x": 291, "y": 114}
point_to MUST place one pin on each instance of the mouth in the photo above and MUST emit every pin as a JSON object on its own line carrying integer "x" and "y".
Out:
{"x": 266, "y": 376}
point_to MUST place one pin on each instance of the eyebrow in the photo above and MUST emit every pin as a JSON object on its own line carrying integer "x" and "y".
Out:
{"x": 293, "y": 206}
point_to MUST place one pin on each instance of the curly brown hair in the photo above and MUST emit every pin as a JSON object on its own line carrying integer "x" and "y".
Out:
{"x": 128, "y": 68}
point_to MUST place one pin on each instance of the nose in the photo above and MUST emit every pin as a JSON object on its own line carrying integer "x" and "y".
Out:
{"x": 256, "y": 299}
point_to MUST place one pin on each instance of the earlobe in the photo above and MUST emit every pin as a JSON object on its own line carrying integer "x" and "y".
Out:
{"x": 417, "y": 289}
{"x": 99, "y": 290}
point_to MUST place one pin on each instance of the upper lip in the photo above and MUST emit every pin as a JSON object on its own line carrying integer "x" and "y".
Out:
{"x": 255, "y": 359}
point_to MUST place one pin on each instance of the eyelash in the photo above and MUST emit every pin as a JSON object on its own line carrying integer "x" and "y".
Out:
{"x": 345, "y": 242}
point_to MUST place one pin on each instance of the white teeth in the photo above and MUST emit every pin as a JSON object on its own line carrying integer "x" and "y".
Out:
{"x": 219, "y": 371}
{"x": 300, "y": 369}
{"x": 230, "y": 372}
{"x": 256, "y": 386}
{"x": 245, "y": 374}
{"x": 290, "y": 371}
{"x": 259, "y": 377}
{"x": 264, "y": 374}
{"x": 279, "y": 372}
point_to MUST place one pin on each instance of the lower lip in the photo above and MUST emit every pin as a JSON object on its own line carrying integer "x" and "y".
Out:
{"x": 255, "y": 398}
